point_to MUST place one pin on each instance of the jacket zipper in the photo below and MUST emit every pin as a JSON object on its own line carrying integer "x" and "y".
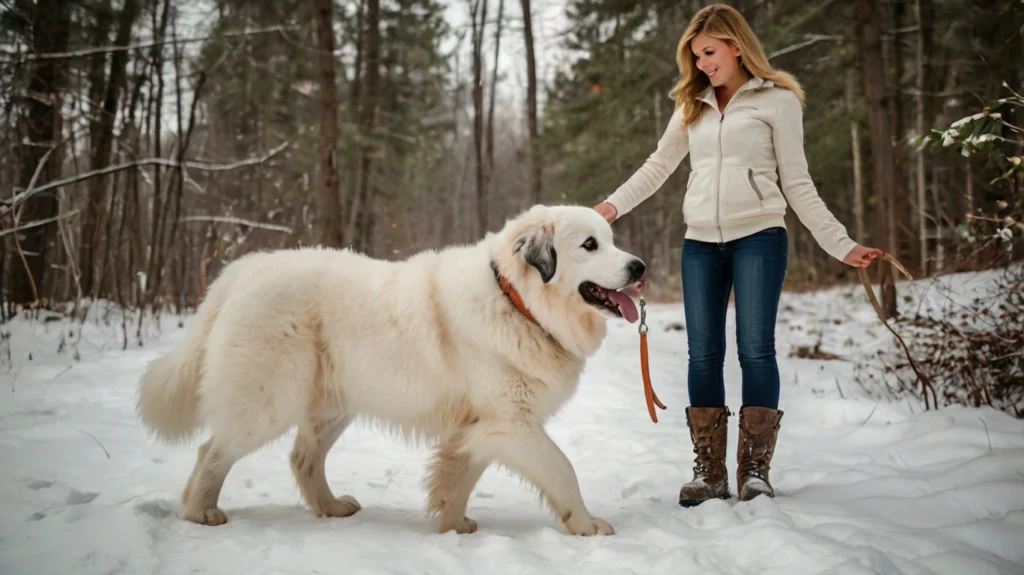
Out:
{"x": 718, "y": 176}
{"x": 718, "y": 171}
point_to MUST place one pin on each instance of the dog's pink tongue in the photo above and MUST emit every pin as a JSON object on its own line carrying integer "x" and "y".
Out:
{"x": 626, "y": 306}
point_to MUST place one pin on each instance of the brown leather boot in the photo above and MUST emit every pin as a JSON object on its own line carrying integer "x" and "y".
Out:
{"x": 709, "y": 428}
{"x": 759, "y": 428}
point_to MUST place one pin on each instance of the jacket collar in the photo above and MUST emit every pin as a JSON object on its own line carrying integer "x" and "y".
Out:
{"x": 754, "y": 83}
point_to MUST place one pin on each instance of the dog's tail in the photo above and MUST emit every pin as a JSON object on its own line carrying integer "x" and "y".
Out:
{"x": 168, "y": 392}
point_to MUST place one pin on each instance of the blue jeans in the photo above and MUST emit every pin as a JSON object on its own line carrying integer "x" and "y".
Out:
{"x": 754, "y": 267}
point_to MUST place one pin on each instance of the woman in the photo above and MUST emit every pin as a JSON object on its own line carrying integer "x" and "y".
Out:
{"x": 740, "y": 121}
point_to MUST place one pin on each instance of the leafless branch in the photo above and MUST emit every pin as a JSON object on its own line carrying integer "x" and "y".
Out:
{"x": 37, "y": 223}
{"x": 203, "y": 165}
{"x": 810, "y": 41}
{"x": 238, "y": 221}
{"x": 108, "y": 49}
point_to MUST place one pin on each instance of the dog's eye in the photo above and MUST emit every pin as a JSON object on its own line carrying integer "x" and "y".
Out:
{"x": 590, "y": 245}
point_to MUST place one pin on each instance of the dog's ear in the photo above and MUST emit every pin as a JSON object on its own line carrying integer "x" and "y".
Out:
{"x": 537, "y": 244}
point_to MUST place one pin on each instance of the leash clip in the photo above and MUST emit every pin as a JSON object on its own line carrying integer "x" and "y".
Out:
{"x": 643, "y": 316}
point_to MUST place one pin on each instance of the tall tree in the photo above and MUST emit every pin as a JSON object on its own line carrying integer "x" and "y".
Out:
{"x": 361, "y": 215}
{"x": 478, "y": 17}
{"x": 42, "y": 139}
{"x": 328, "y": 104}
{"x": 494, "y": 89}
{"x": 103, "y": 134}
{"x": 873, "y": 68}
{"x": 536, "y": 183}
{"x": 925, "y": 22}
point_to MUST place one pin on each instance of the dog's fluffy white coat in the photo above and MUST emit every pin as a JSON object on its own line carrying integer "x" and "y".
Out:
{"x": 430, "y": 345}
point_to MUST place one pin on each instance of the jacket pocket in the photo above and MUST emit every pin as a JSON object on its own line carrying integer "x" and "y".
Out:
{"x": 699, "y": 198}
{"x": 736, "y": 198}
{"x": 753, "y": 185}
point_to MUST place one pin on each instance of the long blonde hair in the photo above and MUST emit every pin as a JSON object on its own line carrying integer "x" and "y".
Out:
{"x": 725, "y": 23}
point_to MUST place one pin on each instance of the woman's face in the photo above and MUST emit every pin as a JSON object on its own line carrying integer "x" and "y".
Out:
{"x": 718, "y": 59}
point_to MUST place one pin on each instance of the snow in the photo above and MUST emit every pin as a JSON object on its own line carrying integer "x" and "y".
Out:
{"x": 865, "y": 483}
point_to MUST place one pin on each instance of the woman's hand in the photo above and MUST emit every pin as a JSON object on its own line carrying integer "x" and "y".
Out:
{"x": 607, "y": 211}
{"x": 861, "y": 257}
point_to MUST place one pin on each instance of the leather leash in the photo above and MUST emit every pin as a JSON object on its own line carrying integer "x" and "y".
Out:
{"x": 926, "y": 383}
{"x": 649, "y": 395}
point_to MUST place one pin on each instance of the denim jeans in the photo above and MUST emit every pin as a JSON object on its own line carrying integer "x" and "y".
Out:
{"x": 754, "y": 267}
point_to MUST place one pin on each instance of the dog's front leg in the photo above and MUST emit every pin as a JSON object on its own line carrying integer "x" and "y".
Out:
{"x": 526, "y": 449}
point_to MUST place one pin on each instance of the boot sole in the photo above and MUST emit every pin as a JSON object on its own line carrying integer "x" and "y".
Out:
{"x": 695, "y": 502}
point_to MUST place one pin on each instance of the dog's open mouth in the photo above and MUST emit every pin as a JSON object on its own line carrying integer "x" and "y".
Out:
{"x": 619, "y": 302}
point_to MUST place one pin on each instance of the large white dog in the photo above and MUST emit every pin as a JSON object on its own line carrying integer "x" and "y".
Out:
{"x": 472, "y": 347}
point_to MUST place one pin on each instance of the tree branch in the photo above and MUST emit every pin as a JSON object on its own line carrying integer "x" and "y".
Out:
{"x": 811, "y": 40}
{"x": 37, "y": 223}
{"x": 108, "y": 49}
{"x": 204, "y": 165}
{"x": 238, "y": 221}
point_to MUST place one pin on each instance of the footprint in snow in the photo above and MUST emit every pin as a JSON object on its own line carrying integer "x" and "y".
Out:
{"x": 155, "y": 509}
{"x": 39, "y": 484}
{"x": 77, "y": 497}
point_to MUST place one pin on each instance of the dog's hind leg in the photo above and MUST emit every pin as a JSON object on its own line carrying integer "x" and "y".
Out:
{"x": 195, "y": 471}
{"x": 453, "y": 475}
{"x": 312, "y": 443}
{"x": 203, "y": 488}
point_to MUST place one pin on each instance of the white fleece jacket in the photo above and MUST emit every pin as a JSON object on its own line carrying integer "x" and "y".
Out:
{"x": 734, "y": 190}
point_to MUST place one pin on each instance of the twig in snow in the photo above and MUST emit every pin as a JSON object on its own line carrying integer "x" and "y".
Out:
{"x": 870, "y": 414}
{"x": 841, "y": 396}
{"x": 987, "y": 436}
{"x": 66, "y": 369}
{"x": 97, "y": 442}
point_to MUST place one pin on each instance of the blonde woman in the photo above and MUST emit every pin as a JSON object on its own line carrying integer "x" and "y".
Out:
{"x": 741, "y": 123}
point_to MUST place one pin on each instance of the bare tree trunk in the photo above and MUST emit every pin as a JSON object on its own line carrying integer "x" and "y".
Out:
{"x": 352, "y": 156}
{"x": 478, "y": 14}
{"x": 536, "y": 184}
{"x": 92, "y": 223}
{"x": 899, "y": 207}
{"x": 858, "y": 178}
{"x": 43, "y": 123}
{"x": 925, "y": 19}
{"x": 868, "y": 27}
{"x": 360, "y": 216}
{"x": 159, "y": 211}
{"x": 494, "y": 91}
{"x": 327, "y": 148}
{"x": 102, "y": 149}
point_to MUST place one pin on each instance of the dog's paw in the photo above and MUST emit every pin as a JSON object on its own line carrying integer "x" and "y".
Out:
{"x": 589, "y": 526}
{"x": 212, "y": 516}
{"x": 461, "y": 526}
{"x": 343, "y": 506}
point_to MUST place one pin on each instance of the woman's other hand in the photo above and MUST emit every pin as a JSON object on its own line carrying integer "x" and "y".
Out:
{"x": 607, "y": 211}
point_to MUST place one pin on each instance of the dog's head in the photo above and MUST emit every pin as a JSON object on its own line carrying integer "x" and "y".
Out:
{"x": 564, "y": 258}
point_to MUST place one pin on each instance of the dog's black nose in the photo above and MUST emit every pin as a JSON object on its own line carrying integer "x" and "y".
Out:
{"x": 636, "y": 269}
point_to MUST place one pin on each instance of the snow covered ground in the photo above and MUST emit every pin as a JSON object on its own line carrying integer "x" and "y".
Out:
{"x": 864, "y": 485}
